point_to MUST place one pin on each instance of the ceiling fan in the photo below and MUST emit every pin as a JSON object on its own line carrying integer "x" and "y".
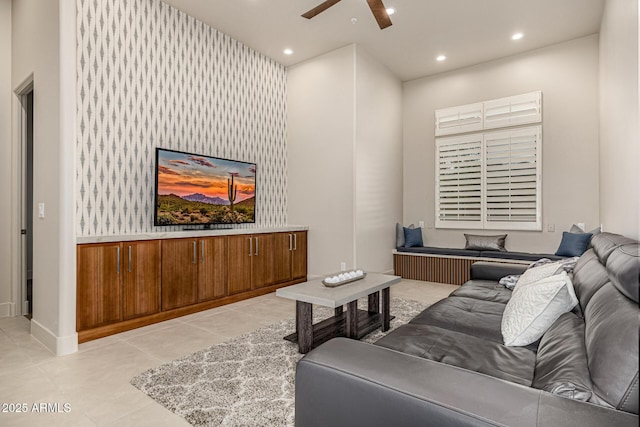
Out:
{"x": 376, "y": 6}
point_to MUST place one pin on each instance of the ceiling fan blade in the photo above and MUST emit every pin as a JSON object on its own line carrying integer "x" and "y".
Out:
{"x": 319, "y": 9}
{"x": 380, "y": 13}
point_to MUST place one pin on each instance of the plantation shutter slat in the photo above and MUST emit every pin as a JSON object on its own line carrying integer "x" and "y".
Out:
{"x": 465, "y": 118}
{"x": 514, "y": 110}
{"x": 459, "y": 181}
{"x": 512, "y": 183}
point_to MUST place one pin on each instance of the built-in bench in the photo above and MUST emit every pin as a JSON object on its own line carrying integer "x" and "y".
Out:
{"x": 451, "y": 265}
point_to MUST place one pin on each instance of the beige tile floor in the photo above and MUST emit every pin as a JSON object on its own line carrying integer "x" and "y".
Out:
{"x": 94, "y": 382}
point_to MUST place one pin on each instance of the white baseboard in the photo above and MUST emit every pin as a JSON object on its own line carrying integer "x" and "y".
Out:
{"x": 60, "y": 346}
{"x": 7, "y": 309}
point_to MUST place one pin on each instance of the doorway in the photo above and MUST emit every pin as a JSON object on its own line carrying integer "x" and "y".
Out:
{"x": 26, "y": 195}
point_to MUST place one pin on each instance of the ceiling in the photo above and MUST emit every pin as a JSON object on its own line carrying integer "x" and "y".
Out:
{"x": 468, "y": 32}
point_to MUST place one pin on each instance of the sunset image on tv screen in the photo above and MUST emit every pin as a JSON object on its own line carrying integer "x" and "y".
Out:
{"x": 194, "y": 189}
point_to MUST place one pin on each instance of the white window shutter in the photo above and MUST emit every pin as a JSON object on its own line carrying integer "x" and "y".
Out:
{"x": 512, "y": 179}
{"x": 514, "y": 110}
{"x": 459, "y": 182}
{"x": 465, "y": 118}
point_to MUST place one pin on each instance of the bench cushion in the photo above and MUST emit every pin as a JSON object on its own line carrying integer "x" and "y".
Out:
{"x": 440, "y": 251}
{"x": 524, "y": 256}
{"x": 521, "y": 256}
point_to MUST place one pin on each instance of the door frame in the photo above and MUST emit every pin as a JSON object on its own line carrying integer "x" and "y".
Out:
{"x": 18, "y": 245}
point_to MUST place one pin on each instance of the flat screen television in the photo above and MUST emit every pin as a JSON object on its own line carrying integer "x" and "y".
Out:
{"x": 192, "y": 189}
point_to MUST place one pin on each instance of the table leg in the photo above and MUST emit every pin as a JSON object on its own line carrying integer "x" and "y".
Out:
{"x": 338, "y": 311}
{"x": 304, "y": 326}
{"x": 374, "y": 302}
{"x": 352, "y": 320}
{"x": 386, "y": 310}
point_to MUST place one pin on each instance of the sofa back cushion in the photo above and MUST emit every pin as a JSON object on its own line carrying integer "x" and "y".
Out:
{"x": 611, "y": 337}
{"x": 623, "y": 267}
{"x": 604, "y": 243}
{"x": 589, "y": 275}
{"x": 561, "y": 361}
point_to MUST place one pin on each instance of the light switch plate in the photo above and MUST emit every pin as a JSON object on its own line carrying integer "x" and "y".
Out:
{"x": 551, "y": 227}
{"x": 40, "y": 210}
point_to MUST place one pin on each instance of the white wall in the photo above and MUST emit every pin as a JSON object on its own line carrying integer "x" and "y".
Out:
{"x": 6, "y": 306}
{"x": 44, "y": 45}
{"x": 320, "y": 153}
{"x": 567, "y": 75}
{"x": 345, "y": 159}
{"x": 619, "y": 134}
{"x": 378, "y": 163}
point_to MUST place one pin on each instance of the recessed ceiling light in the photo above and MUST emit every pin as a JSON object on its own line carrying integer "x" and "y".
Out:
{"x": 517, "y": 36}
{"x": 390, "y": 11}
{"x": 441, "y": 58}
{"x": 288, "y": 52}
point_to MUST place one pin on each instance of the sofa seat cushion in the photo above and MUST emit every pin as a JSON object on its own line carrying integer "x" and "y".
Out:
{"x": 486, "y": 290}
{"x": 471, "y": 316}
{"x": 523, "y": 256}
{"x": 464, "y": 351}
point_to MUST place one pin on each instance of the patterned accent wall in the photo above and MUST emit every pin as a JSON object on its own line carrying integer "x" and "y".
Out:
{"x": 151, "y": 76}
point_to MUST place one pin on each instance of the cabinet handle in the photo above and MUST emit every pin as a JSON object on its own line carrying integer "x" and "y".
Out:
{"x": 256, "y": 246}
{"x": 129, "y": 260}
{"x": 195, "y": 253}
{"x": 202, "y": 250}
{"x": 118, "y": 260}
{"x": 250, "y": 246}
{"x": 290, "y": 242}
{"x": 295, "y": 242}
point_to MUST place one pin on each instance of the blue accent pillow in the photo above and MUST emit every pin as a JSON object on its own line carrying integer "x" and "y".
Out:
{"x": 412, "y": 237}
{"x": 573, "y": 244}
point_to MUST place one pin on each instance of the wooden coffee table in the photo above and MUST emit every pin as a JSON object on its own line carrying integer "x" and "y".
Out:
{"x": 354, "y": 323}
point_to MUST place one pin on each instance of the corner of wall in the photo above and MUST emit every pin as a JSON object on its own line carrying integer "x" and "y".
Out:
{"x": 60, "y": 346}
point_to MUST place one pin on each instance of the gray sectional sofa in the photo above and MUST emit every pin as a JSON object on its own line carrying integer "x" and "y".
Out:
{"x": 449, "y": 367}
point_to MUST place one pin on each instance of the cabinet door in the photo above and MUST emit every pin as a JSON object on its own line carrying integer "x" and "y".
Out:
{"x": 141, "y": 286}
{"x": 179, "y": 273}
{"x": 262, "y": 269}
{"x": 299, "y": 255}
{"x": 99, "y": 285}
{"x": 283, "y": 247}
{"x": 241, "y": 250}
{"x": 212, "y": 268}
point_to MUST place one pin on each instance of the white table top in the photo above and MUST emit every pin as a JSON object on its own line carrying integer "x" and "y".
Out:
{"x": 315, "y": 292}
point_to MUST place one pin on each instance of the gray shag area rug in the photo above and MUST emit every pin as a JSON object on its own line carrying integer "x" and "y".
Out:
{"x": 246, "y": 381}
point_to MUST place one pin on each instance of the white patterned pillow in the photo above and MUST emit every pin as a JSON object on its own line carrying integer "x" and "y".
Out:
{"x": 536, "y": 273}
{"x": 535, "y": 307}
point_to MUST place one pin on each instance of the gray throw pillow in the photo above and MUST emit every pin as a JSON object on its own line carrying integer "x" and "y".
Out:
{"x": 400, "y": 234}
{"x": 485, "y": 243}
{"x": 577, "y": 230}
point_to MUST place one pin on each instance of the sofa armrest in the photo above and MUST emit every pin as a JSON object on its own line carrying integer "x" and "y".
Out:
{"x": 495, "y": 271}
{"x": 346, "y": 382}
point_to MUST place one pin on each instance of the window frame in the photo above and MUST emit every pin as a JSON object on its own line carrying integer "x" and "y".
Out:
{"x": 484, "y": 222}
